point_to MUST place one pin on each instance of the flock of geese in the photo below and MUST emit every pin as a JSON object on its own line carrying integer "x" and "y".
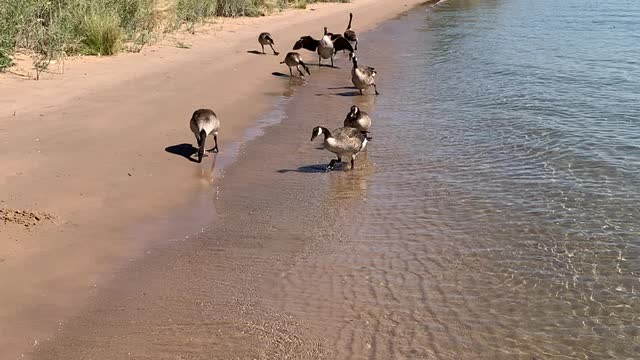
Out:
{"x": 345, "y": 142}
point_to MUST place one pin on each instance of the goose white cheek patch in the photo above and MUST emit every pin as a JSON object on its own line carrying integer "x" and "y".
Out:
{"x": 319, "y": 132}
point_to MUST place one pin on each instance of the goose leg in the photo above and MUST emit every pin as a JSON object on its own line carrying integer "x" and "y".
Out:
{"x": 376, "y": 89}
{"x": 215, "y": 148}
{"x": 290, "y": 72}
{"x": 301, "y": 73}
{"x": 262, "y": 48}
{"x": 274, "y": 50}
{"x": 319, "y": 60}
{"x": 361, "y": 92}
{"x": 353, "y": 160}
{"x": 356, "y": 48}
{"x": 332, "y": 61}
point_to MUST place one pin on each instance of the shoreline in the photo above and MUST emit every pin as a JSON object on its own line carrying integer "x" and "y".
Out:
{"x": 76, "y": 166}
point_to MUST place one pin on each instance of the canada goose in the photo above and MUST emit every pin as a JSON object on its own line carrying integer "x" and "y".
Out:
{"x": 363, "y": 76}
{"x": 325, "y": 47}
{"x": 344, "y": 141}
{"x": 266, "y": 39}
{"x": 293, "y": 59}
{"x": 204, "y": 122}
{"x": 349, "y": 34}
{"x": 358, "y": 119}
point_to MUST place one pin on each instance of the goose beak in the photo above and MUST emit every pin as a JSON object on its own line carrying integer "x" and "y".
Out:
{"x": 313, "y": 136}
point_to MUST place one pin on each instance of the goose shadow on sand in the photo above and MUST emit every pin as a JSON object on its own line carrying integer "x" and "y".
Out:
{"x": 256, "y": 52}
{"x": 186, "y": 151}
{"x": 307, "y": 169}
{"x": 345, "y": 93}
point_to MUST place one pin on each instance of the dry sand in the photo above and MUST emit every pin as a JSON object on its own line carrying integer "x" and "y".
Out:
{"x": 87, "y": 148}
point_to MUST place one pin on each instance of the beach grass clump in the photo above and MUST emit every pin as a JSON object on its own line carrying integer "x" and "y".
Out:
{"x": 195, "y": 11}
{"x": 101, "y": 33}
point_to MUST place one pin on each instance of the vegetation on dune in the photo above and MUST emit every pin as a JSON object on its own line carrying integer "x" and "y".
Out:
{"x": 51, "y": 29}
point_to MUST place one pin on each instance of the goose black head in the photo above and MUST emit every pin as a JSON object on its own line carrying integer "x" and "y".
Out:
{"x": 355, "y": 111}
{"x": 317, "y": 131}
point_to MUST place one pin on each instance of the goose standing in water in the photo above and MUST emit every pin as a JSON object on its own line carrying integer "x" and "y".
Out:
{"x": 358, "y": 119}
{"x": 266, "y": 39}
{"x": 325, "y": 47}
{"x": 293, "y": 59}
{"x": 344, "y": 142}
{"x": 351, "y": 35}
{"x": 204, "y": 122}
{"x": 363, "y": 76}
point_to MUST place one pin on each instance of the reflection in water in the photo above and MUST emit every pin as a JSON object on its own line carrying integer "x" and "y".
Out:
{"x": 207, "y": 173}
{"x": 350, "y": 184}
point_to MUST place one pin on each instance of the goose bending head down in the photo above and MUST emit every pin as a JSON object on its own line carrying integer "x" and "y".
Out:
{"x": 363, "y": 77}
{"x": 326, "y": 47}
{"x": 358, "y": 119}
{"x": 344, "y": 142}
{"x": 266, "y": 39}
{"x": 204, "y": 122}
{"x": 293, "y": 59}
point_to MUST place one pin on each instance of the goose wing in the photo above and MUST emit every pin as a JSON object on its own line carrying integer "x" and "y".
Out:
{"x": 350, "y": 35}
{"x": 340, "y": 43}
{"x": 349, "y": 137}
{"x": 368, "y": 70}
{"x": 306, "y": 42}
{"x": 334, "y": 36}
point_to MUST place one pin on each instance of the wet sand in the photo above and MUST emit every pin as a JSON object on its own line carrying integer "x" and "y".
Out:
{"x": 100, "y": 149}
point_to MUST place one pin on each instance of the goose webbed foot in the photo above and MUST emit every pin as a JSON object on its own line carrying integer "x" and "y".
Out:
{"x": 376, "y": 89}
{"x": 332, "y": 164}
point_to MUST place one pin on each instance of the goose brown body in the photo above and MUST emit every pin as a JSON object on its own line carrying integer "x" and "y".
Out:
{"x": 204, "y": 122}
{"x": 358, "y": 119}
{"x": 350, "y": 34}
{"x": 266, "y": 39}
{"x": 363, "y": 77}
{"x": 344, "y": 142}
{"x": 293, "y": 59}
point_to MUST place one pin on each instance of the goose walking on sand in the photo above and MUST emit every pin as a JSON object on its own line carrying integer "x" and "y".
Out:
{"x": 344, "y": 142}
{"x": 358, "y": 119}
{"x": 204, "y": 122}
{"x": 325, "y": 47}
{"x": 266, "y": 39}
{"x": 293, "y": 59}
{"x": 363, "y": 76}
{"x": 351, "y": 35}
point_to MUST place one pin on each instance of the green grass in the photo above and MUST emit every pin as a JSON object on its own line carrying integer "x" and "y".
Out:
{"x": 102, "y": 33}
{"x": 50, "y": 29}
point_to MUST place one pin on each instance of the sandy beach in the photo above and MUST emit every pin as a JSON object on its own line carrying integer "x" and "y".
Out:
{"x": 91, "y": 154}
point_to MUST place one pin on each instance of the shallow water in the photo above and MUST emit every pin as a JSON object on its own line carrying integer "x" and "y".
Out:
{"x": 502, "y": 216}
